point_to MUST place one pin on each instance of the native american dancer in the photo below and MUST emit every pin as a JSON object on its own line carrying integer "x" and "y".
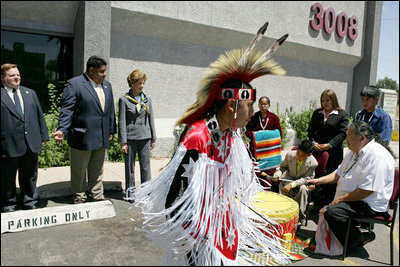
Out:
{"x": 199, "y": 208}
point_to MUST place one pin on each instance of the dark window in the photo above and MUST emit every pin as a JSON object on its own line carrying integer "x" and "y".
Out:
{"x": 41, "y": 59}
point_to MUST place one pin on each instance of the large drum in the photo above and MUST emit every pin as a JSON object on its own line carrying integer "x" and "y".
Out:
{"x": 282, "y": 209}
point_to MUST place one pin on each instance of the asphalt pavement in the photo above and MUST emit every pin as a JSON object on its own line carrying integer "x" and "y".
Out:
{"x": 116, "y": 241}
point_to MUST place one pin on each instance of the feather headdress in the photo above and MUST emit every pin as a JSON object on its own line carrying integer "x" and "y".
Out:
{"x": 239, "y": 64}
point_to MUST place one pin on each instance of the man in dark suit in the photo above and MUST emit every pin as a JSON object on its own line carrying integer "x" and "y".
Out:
{"x": 87, "y": 119}
{"x": 23, "y": 133}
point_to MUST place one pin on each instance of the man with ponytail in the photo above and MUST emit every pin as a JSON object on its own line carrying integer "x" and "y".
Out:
{"x": 364, "y": 180}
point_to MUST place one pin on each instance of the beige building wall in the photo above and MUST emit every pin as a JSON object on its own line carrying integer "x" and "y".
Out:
{"x": 173, "y": 42}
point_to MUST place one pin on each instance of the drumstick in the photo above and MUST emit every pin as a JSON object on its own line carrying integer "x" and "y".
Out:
{"x": 262, "y": 217}
{"x": 279, "y": 179}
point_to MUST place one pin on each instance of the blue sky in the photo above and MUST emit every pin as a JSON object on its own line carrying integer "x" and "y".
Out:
{"x": 388, "y": 59}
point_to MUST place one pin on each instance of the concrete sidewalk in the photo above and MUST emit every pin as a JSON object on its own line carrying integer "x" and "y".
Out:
{"x": 55, "y": 182}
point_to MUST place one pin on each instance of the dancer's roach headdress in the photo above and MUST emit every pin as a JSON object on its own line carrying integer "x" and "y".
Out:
{"x": 237, "y": 64}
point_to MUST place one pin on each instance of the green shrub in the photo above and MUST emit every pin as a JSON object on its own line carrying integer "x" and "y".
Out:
{"x": 53, "y": 154}
{"x": 284, "y": 126}
{"x": 115, "y": 153}
{"x": 301, "y": 120}
{"x": 351, "y": 119}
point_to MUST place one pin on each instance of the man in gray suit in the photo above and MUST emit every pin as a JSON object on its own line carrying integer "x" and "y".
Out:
{"x": 23, "y": 133}
{"x": 298, "y": 166}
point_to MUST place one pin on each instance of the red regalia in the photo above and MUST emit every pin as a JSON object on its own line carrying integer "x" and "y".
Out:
{"x": 217, "y": 146}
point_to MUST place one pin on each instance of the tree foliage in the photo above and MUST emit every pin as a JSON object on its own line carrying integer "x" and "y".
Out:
{"x": 387, "y": 83}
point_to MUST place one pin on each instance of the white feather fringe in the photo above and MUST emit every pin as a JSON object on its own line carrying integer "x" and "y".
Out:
{"x": 204, "y": 201}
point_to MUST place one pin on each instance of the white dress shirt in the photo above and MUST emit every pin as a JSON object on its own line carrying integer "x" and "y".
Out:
{"x": 99, "y": 90}
{"x": 11, "y": 94}
{"x": 372, "y": 171}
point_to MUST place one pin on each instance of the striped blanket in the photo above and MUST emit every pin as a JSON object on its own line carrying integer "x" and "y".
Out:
{"x": 268, "y": 149}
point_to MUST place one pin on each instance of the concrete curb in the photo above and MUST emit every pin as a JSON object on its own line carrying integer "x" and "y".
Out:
{"x": 22, "y": 220}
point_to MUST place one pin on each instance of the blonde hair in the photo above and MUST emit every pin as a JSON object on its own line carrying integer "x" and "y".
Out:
{"x": 6, "y": 67}
{"x": 331, "y": 94}
{"x": 135, "y": 76}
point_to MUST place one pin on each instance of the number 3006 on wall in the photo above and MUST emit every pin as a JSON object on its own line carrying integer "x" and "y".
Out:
{"x": 329, "y": 21}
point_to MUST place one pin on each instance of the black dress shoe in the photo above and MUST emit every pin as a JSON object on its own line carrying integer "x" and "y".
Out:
{"x": 79, "y": 200}
{"x": 130, "y": 200}
{"x": 31, "y": 207}
{"x": 368, "y": 237}
{"x": 364, "y": 239}
{"x": 8, "y": 209}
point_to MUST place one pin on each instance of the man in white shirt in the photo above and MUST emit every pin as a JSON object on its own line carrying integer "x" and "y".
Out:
{"x": 364, "y": 183}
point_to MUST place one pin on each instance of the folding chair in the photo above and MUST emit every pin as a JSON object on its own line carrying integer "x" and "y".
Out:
{"x": 322, "y": 159}
{"x": 387, "y": 219}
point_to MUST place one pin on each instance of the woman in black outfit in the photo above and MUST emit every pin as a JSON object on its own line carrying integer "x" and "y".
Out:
{"x": 327, "y": 131}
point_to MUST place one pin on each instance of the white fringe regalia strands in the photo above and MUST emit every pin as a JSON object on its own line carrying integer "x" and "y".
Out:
{"x": 212, "y": 222}
{"x": 232, "y": 191}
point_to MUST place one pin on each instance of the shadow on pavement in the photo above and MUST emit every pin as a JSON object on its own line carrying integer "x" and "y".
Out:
{"x": 67, "y": 199}
{"x": 359, "y": 252}
{"x": 62, "y": 189}
{"x": 305, "y": 233}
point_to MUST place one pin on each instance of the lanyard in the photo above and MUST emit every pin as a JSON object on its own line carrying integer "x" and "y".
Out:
{"x": 355, "y": 161}
{"x": 363, "y": 118}
{"x": 370, "y": 118}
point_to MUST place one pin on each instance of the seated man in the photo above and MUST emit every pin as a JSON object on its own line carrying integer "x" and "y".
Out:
{"x": 364, "y": 183}
{"x": 298, "y": 166}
